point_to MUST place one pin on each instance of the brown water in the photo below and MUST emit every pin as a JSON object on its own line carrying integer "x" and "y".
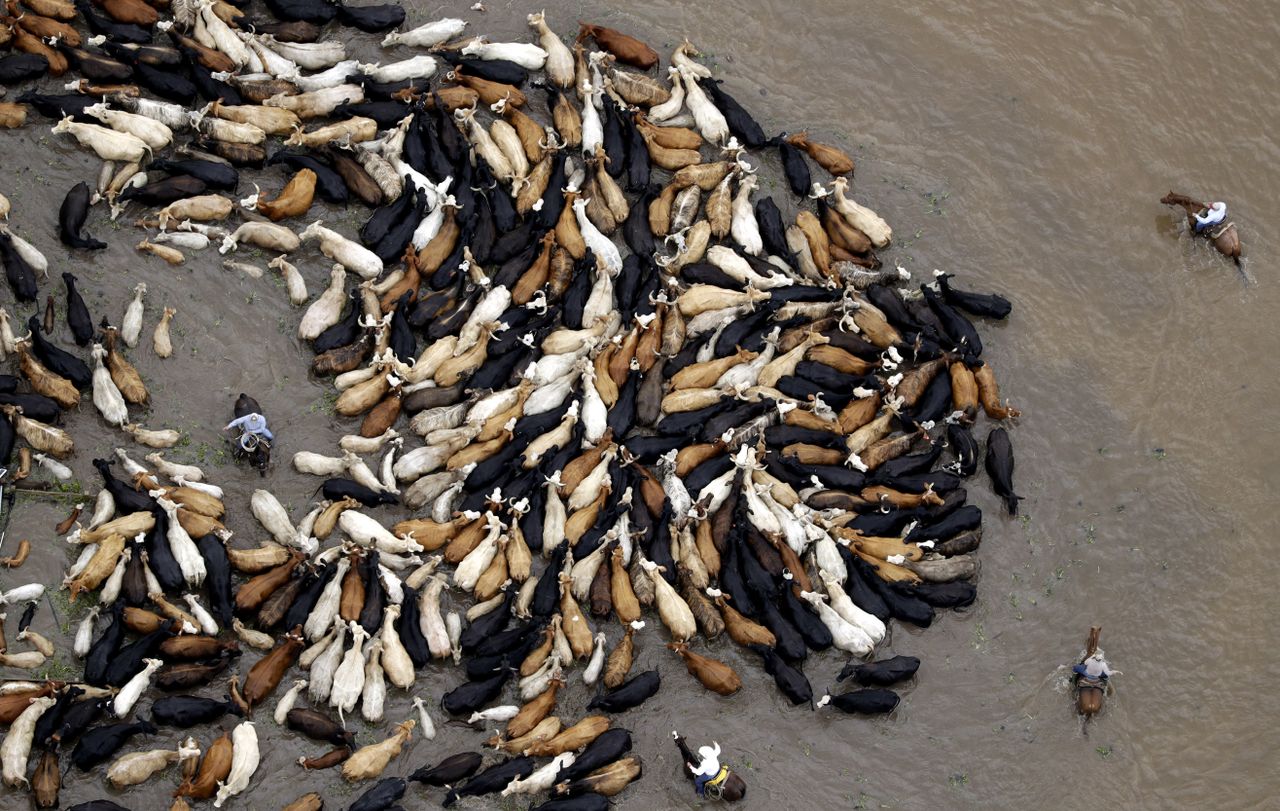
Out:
{"x": 1027, "y": 149}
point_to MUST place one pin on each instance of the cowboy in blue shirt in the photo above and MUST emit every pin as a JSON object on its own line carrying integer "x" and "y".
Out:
{"x": 253, "y": 429}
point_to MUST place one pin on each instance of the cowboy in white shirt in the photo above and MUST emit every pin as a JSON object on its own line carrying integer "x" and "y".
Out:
{"x": 708, "y": 769}
{"x": 1094, "y": 668}
{"x": 1214, "y": 214}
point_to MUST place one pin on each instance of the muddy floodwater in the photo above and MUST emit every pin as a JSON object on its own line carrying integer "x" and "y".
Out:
{"x": 1023, "y": 146}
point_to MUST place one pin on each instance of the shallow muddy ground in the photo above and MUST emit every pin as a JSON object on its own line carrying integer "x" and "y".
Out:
{"x": 1023, "y": 148}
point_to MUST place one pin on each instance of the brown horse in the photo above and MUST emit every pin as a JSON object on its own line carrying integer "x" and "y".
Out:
{"x": 731, "y": 789}
{"x": 1090, "y": 692}
{"x": 1223, "y": 236}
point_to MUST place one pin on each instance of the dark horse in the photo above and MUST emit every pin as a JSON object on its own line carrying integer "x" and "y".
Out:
{"x": 730, "y": 788}
{"x": 1223, "y": 235}
{"x": 254, "y": 448}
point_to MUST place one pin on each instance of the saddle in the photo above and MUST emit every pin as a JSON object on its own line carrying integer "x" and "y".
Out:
{"x": 715, "y": 786}
{"x": 1219, "y": 230}
{"x": 1083, "y": 682}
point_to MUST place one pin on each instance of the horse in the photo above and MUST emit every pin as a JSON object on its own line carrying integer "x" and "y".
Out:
{"x": 1223, "y": 235}
{"x": 1090, "y": 692}
{"x": 250, "y": 447}
{"x": 730, "y": 788}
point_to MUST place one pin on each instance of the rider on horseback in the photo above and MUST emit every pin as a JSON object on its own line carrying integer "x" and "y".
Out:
{"x": 254, "y": 431}
{"x": 709, "y": 770}
{"x": 249, "y": 433}
{"x": 1094, "y": 668}
{"x": 1209, "y": 220}
{"x": 1215, "y": 214}
{"x": 712, "y": 779}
